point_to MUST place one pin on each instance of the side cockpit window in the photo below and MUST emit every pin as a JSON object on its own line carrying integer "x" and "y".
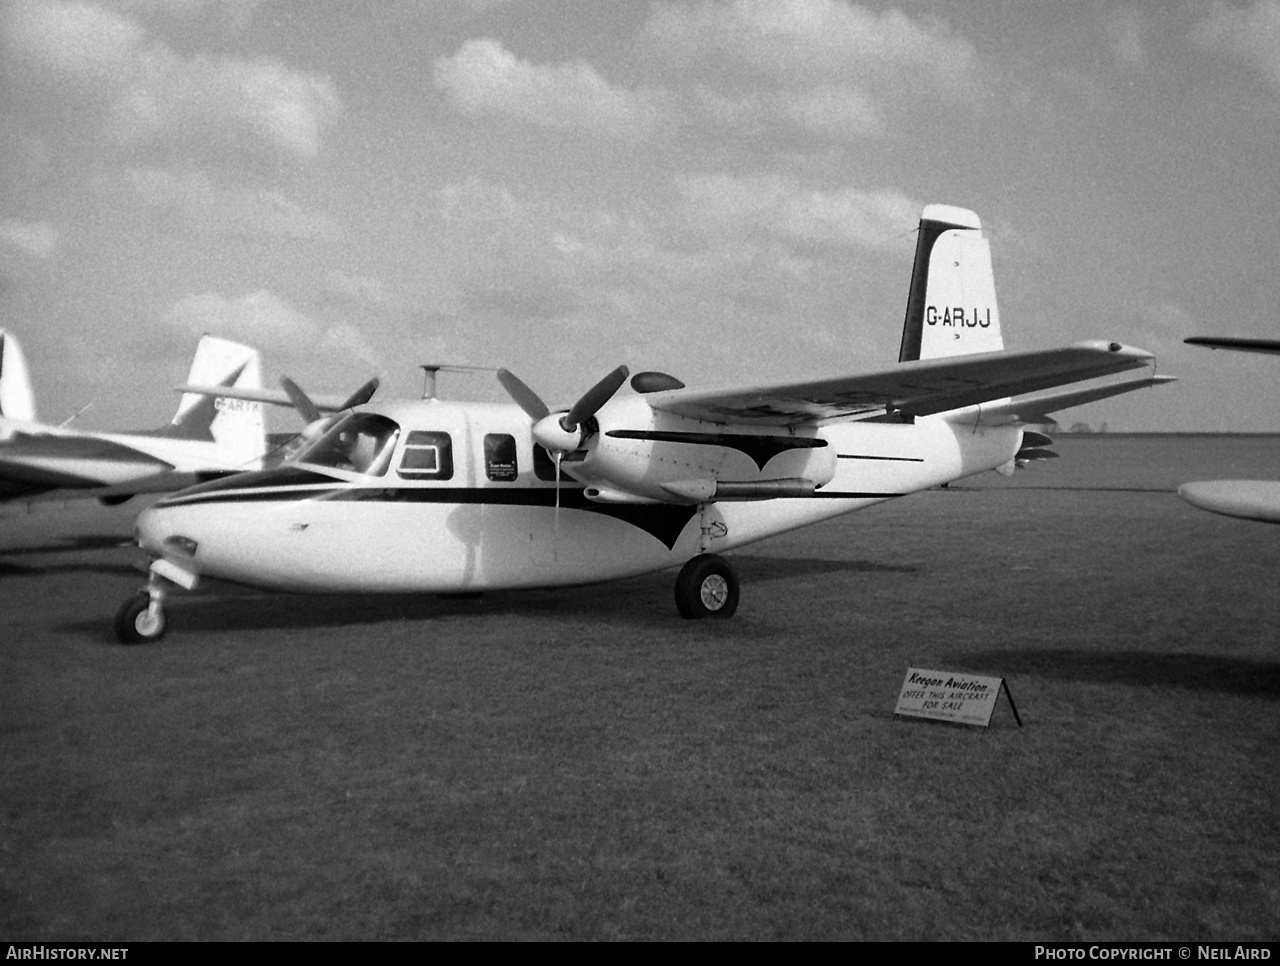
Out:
{"x": 359, "y": 443}
{"x": 427, "y": 456}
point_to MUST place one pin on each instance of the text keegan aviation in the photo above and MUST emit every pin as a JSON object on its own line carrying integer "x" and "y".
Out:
{"x": 924, "y": 682}
{"x": 957, "y": 315}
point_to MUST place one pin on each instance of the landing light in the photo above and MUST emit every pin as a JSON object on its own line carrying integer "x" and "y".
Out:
{"x": 183, "y": 545}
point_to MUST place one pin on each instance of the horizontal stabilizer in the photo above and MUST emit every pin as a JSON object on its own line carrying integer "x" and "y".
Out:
{"x": 1036, "y": 407}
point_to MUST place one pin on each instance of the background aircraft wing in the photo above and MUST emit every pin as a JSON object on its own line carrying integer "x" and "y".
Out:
{"x": 1269, "y": 346}
{"x": 41, "y": 461}
{"x": 919, "y": 388}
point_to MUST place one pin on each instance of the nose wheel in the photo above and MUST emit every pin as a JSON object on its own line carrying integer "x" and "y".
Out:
{"x": 707, "y": 586}
{"x": 140, "y": 619}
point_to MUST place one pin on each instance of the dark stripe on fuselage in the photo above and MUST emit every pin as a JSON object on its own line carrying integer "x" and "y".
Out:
{"x": 893, "y": 459}
{"x": 664, "y": 522}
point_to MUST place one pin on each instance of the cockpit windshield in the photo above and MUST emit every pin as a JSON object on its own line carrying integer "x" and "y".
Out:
{"x": 358, "y": 443}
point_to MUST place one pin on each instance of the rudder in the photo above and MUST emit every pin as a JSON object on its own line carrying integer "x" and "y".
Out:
{"x": 236, "y": 425}
{"x": 951, "y": 304}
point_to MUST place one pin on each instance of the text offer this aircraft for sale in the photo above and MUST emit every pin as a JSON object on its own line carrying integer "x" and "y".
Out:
{"x": 435, "y": 496}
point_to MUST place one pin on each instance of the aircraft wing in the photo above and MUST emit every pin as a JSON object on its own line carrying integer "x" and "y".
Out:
{"x": 276, "y": 397}
{"x": 36, "y": 461}
{"x": 1246, "y": 499}
{"x": 919, "y": 388}
{"x": 1269, "y": 346}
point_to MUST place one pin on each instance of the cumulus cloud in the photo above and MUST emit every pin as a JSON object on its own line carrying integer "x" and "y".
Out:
{"x": 257, "y": 317}
{"x": 265, "y": 320}
{"x": 263, "y": 100}
{"x": 830, "y": 111}
{"x": 153, "y": 91}
{"x": 75, "y": 40}
{"x": 1250, "y": 32}
{"x": 798, "y": 42}
{"x": 783, "y": 208}
{"x": 236, "y": 12}
{"x": 360, "y": 293}
{"x": 1125, "y": 28}
{"x": 483, "y": 77}
{"x": 206, "y": 207}
{"x": 35, "y": 239}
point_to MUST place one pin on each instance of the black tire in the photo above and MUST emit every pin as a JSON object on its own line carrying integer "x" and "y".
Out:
{"x": 707, "y": 587}
{"x": 136, "y": 623}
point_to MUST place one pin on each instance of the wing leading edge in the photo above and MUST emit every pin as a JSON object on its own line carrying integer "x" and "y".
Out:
{"x": 918, "y": 388}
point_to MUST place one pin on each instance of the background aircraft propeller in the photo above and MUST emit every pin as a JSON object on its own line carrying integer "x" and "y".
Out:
{"x": 316, "y": 421}
{"x": 301, "y": 401}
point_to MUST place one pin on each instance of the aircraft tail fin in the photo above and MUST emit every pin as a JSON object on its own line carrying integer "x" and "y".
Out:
{"x": 951, "y": 305}
{"x": 236, "y": 425}
{"x": 17, "y": 398}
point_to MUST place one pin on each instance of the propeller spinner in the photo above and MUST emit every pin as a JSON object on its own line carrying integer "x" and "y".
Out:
{"x": 561, "y": 433}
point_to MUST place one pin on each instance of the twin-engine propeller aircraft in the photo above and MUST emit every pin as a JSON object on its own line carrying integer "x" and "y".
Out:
{"x": 437, "y": 496}
{"x": 210, "y": 436}
{"x": 1247, "y": 499}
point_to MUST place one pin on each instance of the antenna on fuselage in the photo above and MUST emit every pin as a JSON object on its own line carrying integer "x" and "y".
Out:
{"x": 430, "y": 369}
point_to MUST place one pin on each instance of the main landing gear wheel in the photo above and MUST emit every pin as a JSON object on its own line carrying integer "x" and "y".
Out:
{"x": 707, "y": 587}
{"x": 140, "y": 620}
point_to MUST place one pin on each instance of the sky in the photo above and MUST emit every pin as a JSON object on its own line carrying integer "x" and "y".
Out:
{"x": 725, "y": 190}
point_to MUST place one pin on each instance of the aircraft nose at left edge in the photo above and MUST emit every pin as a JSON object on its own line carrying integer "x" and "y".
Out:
{"x": 164, "y": 532}
{"x": 151, "y": 528}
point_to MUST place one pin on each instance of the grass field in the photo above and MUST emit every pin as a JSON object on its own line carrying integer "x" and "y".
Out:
{"x": 582, "y": 764}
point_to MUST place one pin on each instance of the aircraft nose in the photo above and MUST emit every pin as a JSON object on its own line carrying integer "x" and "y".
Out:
{"x": 150, "y": 529}
{"x": 158, "y": 531}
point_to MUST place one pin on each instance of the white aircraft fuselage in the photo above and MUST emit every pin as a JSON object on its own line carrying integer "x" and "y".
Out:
{"x": 487, "y": 524}
{"x": 450, "y": 497}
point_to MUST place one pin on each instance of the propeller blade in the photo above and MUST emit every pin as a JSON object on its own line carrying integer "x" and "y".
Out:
{"x": 524, "y": 397}
{"x": 301, "y": 401}
{"x": 362, "y": 395}
{"x": 594, "y": 398}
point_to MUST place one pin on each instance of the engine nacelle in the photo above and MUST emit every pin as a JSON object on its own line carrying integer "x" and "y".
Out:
{"x": 660, "y": 457}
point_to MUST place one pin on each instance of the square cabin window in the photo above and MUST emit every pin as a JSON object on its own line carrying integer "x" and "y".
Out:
{"x": 500, "y": 457}
{"x": 427, "y": 456}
